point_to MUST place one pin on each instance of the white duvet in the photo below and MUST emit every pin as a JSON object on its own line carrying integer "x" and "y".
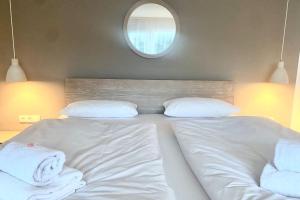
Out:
{"x": 120, "y": 161}
{"x": 228, "y": 155}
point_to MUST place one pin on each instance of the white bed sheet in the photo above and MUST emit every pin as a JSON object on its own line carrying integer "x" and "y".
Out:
{"x": 119, "y": 160}
{"x": 178, "y": 173}
{"x": 228, "y": 154}
{"x": 77, "y": 136}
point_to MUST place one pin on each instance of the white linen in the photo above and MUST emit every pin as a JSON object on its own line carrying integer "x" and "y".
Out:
{"x": 62, "y": 186}
{"x": 35, "y": 165}
{"x": 101, "y": 109}
{"x": 229, "y": 154}
{"x": 287, "y": 156}
{"x": 178, "y": 173}
{"x": 280, "y": 182}
{"x": 120, "y": 161}
{"x": 198, "y": 107}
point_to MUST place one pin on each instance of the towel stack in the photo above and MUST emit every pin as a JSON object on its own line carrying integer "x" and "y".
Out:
{"x": 284, "y": 176}
{"x": 31, "y": 172}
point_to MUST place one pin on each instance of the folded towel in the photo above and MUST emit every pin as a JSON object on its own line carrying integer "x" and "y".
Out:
{"x": 32, "y": 164}
{"x": 63, "y": 185}
{"x": 281, "y": 182}
{"x": 287, "y": 155}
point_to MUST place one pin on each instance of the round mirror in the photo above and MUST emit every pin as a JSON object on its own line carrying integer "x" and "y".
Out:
{"x": 150, "y": 28}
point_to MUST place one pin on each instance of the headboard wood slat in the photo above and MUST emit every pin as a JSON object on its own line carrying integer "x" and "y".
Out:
{"x": 149, "y": 95}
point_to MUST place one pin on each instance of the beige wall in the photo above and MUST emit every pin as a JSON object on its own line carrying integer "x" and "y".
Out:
{"x": 220, "y": 40}
{"x": 29, "y": 98}
{"x": 228, "y": 39}
{"x": 265, "y": 99}
{"x": 296, "y": 106}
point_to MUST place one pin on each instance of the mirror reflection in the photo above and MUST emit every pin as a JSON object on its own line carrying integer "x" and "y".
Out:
{"x": 151, "y": 29}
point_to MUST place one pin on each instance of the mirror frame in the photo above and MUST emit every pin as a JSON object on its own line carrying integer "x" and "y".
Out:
{"x": 132, "y": 9}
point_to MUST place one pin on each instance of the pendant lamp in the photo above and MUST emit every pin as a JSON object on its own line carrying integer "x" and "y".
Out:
{"x": 280, "y": 74}
{"x": 15, "y": 72}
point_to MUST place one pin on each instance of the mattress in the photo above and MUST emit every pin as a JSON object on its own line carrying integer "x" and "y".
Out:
{"x": 122, "y": 169}
{"x": 228, "y": 154}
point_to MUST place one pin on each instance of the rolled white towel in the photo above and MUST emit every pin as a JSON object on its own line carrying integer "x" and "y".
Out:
{"x": 281, "y": 182}
{"x": 32, "y": 164}
{"x": 63, "y": 185}
{"x": 287, "y": 155}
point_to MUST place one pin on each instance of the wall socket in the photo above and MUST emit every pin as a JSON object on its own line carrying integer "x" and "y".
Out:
{"x": 29, "y": 119}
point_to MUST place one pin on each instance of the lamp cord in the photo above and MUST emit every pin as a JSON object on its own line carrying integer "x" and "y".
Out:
{"x": 12, "y": 29}
{"x": 284, "y": 30}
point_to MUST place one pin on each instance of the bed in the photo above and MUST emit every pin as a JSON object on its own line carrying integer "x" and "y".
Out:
{"x": 148, "y": 170}
{"x": 150, "y": 95}
{"x": 228, "y": 154}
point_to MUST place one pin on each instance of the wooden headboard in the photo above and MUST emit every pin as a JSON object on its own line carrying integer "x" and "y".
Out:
{"x": 149, "y": 95}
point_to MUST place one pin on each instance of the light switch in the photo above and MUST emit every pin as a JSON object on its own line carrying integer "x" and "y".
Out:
{"x": 29, "y": 119}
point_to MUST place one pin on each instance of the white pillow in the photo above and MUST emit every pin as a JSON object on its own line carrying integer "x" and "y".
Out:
{"x": 198, "y": 107}
{"x": 101, "y": 109}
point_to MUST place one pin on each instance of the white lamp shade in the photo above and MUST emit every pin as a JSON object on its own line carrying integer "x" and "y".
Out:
{"x": 280, "y": 75}
{"x": 15, "y": 72}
